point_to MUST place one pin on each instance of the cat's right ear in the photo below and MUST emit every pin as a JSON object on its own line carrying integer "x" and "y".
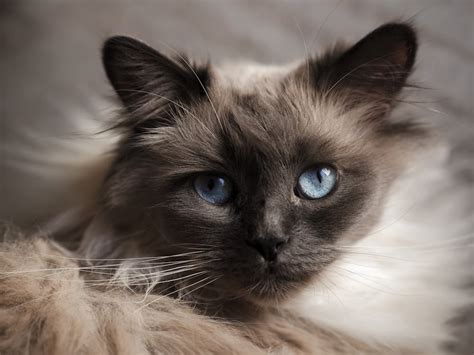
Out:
{"x": 373, "y": 70}
{"x": 147, "y": 82}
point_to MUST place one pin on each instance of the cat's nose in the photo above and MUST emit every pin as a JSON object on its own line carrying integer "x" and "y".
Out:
{"x": 268, "y": 246}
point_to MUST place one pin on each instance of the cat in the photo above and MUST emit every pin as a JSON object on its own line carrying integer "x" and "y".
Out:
{"x": 232, "y": 191}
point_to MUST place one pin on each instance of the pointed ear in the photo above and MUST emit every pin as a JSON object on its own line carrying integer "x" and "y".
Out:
{"x": 375, "y": 68}
{"x": 148, "y": 82}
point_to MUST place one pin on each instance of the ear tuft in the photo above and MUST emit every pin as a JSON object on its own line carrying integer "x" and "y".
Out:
{"x": 374, "y": 68}
{"x": 148, "y": 82}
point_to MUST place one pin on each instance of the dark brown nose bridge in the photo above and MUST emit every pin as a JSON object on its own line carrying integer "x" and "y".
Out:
{"x": 269, "y": 237}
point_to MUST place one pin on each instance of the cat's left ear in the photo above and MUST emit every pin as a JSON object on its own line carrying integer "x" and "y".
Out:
{"x": 374, "y": 69}
{"x": 149, "y": 83}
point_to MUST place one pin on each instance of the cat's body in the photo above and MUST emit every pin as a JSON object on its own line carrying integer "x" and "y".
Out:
{"x": 162, "y": 264}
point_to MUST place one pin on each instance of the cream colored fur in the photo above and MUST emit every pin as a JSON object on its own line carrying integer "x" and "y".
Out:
{"x": 401, "y": 284}
{"x": 48, "y": 307}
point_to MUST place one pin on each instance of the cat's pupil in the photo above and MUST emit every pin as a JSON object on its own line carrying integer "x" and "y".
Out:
{"x": 319, "y": 176}
{"x": 210, "y": 184}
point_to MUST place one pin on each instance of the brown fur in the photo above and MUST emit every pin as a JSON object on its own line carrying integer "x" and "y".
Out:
{"x": 47, "y": 307}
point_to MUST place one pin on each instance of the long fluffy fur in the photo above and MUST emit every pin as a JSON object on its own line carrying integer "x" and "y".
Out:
{"x": 47, "y": 307}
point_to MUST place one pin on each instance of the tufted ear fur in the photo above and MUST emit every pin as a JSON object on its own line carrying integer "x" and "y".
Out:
{"x": 374, "y": 69}
{"x": 149, "y": 83}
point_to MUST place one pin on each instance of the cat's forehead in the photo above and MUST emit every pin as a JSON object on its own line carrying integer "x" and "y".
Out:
{"x": 248, "y": 106}
{"x": 262, "y": 117}
{"x": 275, "y": 104}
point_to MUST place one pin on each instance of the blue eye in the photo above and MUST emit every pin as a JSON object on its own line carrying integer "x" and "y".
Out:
{"x": 214, "y": 189}
{"x": 316, "y": 182}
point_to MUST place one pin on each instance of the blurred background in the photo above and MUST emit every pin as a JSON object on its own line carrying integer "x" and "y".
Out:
{"x": 55, "y": 96}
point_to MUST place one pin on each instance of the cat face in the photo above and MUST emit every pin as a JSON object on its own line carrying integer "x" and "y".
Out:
{"x": 236, "y": 189}
{"x": 266, "y": 171}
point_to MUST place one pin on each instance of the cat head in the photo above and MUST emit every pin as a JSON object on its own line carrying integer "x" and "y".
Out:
{"x": 262, "y": 171}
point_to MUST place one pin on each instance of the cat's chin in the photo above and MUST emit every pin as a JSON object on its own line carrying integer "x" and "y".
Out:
{"x": 262, "y": 289}
{"x": 273, "y": 287}
{"x": 270, "y": 292}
